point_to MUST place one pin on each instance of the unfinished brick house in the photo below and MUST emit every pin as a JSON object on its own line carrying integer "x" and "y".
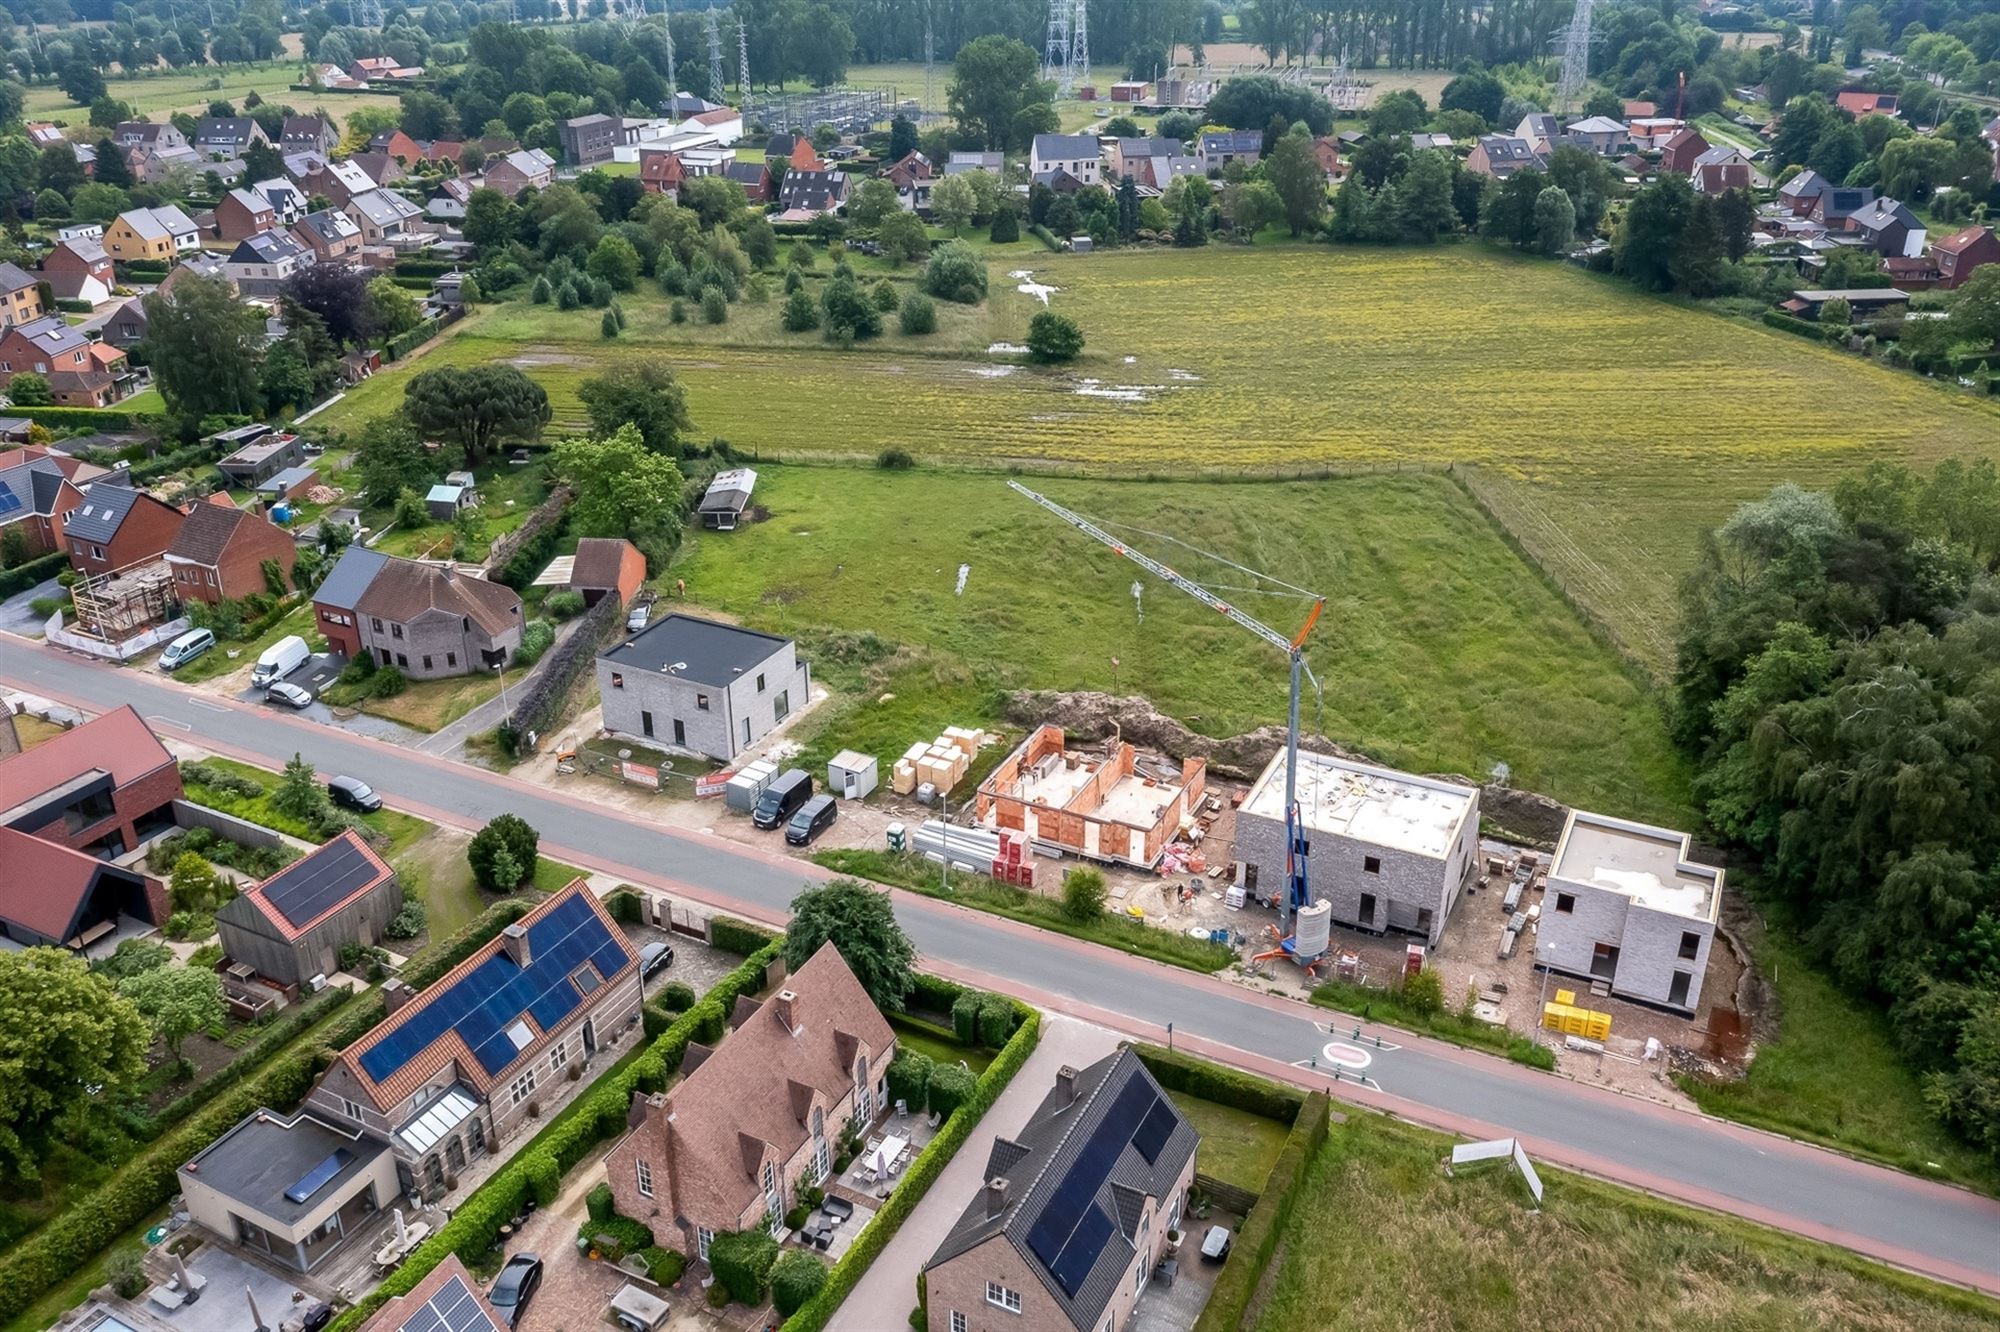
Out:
{"x": 1119, "y": 808}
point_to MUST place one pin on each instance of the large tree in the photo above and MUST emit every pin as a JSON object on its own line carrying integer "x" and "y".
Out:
{"x": 205, "y": 348}
{"x": 338, "y": 294}
{"x": 992, "y": 79}
{"x": 67, "y": 1042}
{"x": 859, "y": 922}
{"x": 1293, "y": 170}
{"x": 390, "y": 458}
{"x": 177, "y": 1000}
{"x": 642, "y": 392}
{"x": 622, "y": 488}
{"x": 474, "y": 405}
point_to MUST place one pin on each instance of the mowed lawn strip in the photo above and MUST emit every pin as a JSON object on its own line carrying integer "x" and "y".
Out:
{"x": 1381, "y": 1240}
{"x": 1440, "y": 651}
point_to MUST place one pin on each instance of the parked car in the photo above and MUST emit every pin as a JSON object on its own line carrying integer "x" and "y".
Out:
{"x": 1215, "y": 1244}
{"x": 280, "y": 660}
{"x": 353, "y": 793}
{"x": 289, "y": 694}
{"x": 814, "y": 817}
{"x": 655, "y": 956}
{"x": 317, "y": 1317}
{"x": 515, "y": 1286}
{"x": 782, "y": 798}
{"x": 635, "y": 619}
{"x": 186, "y": 648}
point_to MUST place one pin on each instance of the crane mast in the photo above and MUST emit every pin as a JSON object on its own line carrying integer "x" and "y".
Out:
{"x": 1297, "y": 892}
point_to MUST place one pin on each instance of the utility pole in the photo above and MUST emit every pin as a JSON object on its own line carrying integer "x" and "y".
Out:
{"x": 715, "y": 84}
{"x": 1079, "y": 51}
{"x": 673, "y": 84}
{"x": 1297, "y": 889}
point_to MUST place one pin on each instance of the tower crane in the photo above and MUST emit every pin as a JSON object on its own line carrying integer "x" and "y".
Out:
{"x": 1297, "y": 891}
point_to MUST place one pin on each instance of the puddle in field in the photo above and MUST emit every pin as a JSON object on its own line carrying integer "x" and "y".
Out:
{"x": 991, "y": 371}
{"x": 1041, "y": 291}
{"x": 1006, "y": 349}
{"x": 1097, "y": 388}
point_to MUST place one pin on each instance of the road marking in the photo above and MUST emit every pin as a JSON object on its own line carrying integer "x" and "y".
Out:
{"x": 169, "y": 721}
{"x": 1336, "y": 1073}
{"x": 212, "y": 707}
{"x": 1352, "y": 1032}
{"x": 1346, "y": 1056}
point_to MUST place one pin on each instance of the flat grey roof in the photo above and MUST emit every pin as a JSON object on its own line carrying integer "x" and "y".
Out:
{"x": 1398, "y": 810}
{"x": 267, "y": 1161}
{"x": 690, "y": 648}
{"x": 1650, "y": 865}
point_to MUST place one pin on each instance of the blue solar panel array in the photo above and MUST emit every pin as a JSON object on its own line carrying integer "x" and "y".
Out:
{"x": 9, "y": 501}
{"x": 1154, "y": 1131}
{"x": 452, "y": 1309}
{"x": 1071, "y": 1231}
{"x": 495, "y": 995}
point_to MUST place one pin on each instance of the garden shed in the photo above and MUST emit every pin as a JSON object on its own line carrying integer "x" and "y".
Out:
{"x": 444, "y": 501}
{"x": 851, "y": 775}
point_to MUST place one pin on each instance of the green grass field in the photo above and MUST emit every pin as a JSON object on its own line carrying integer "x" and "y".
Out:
{"x": 1380, "y": 1238}
{"x": 1237, "y": 1147}
{"x": 162, "y": 92}
{"x": 1607, "y": 428}
{"x": 1439, "y": 651}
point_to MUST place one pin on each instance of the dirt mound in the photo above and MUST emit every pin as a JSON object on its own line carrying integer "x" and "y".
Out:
{"x": 1090, "y": 714}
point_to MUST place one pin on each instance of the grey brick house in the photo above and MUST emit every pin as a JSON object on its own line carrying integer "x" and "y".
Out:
{"x": 701, "y": 685}
{"x": 435, "y": 620}
{"x": 1388, "y": 849}
{"x": 1628, "y": 905}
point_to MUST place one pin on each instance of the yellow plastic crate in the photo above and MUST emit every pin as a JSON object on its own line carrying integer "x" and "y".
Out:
{"x": 1573, "y": 1021}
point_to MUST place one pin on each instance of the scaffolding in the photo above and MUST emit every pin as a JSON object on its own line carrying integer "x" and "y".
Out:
{"x": 849, "y": 110}
{"x": 125, "y": 602}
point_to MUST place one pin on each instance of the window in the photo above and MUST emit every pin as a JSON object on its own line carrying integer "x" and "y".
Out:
{"x": 702, "y": 1239}
{"x": 617, "y": 680}
{"x": 701, "y": 702}
{"x": 1690, "y": 945}
{"x": 97, "y": 552}
{"x": 427, "y": 661}
{"x": 376, "y": 623}
{"x": 760, "y": 682}
{"x": 645, "y": 1170}
{"x": 957, "y": 1321}
{"x": 1001, "y": 1297}
{"x": 385, "y": 655}
{"x": 781, "y": 706}
{"x": 352, "y": 1109}
{"x": 1371, "y": 864}
{"x": 821, "y": 1166}
{"x": 451, "y": 659}
{"x": 402, "y": 661}
{"x": 524, "y": 1087}
{"x": 1565, "y": 903}
{"x": 558, "y": 1056}
{"x": 395, "y": 630}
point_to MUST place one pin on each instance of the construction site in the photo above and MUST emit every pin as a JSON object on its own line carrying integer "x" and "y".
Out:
{"x": 1115, "y": 807}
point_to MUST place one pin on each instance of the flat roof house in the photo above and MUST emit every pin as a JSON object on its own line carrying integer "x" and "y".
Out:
{"x": 292, "y": 926}
{"x": 1074, "y": 1214}
{"x": 754, "y": 1121}
{"x": 262, "y": 453}
{"x": 455, "y": 1071}
{"x": 1092, "y": 805}
{"x": 1628, "y": 905}
{"x": 1389, "y": 850}
{"x": 220, "y": 552}
{"x": 102, "y": 788}
{"x": 701, "y": 685}
{"x": 291, "y": 1188}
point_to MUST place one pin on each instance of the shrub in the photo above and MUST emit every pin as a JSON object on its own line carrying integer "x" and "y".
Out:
{"x": 738, "y": 936}
{"x": 537, "y": 637}
{"x": 910, "y": 1078}
{"x": 965, "y": 1016}
{"x": 895, "y": 460}
{"x": 1083, "y": 894}
{"x": 886, "y": 299}
{"x": 387, "y": 682}
{"x": 741, "y": 1261}
{"x": 625, "y": 906}
{"x": 919, "y": 315}
{"x": 544, "y": 1176}
{"x": 509, "y": 835}
{"x": 599, "y": 1203}
{"x": 801, "y": 313}
{"x": 677, "y": 997}
{"x": 1054, "y": 338}
{"x": 663, "y": 1265}
{"x": 951, "y": 1087}
{"x": 124, "y": 1273}
{"x": 996, "y": 1021}
{"x": 795, "y": 1278}
{"x": 955, "y": 273}
{"x": 409, "y": 921}
{"x": 615, "y": 1236}
{"x": 677, "y": 313}
{"x": 1424, "y": 992}
{"x": 564, "y": 605}
{"x": 714, "y": 306}
{"x": 1225, "y": 1086}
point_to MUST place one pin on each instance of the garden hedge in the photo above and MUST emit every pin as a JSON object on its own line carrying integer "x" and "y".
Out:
{"x": 282, "y": 1030}
{"x": 108, "y": 419}
{"x": 742, "y": 1262}
{"x": 738, "y": 936}
{"x": 38, "y": 570}
{"x": 932, "y": 994}
{"x": 541, "y": 701}
{"x": 1225, "y": 1086}
{"x": 1257, "y": 1238}
{"x": 923, "y": 1173}
{"x": 1785, "y": 323}
{"x": 595, "y": 1116}
{"x": 796, "y": 1277}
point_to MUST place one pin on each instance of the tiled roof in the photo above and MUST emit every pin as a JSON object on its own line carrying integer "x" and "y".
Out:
{"x": 449, "y": 1298}
{"x": 600, "y": 561}
{"x": 52, "y": 334}
{"x": 384, "y": 208}
{"x": 330, "y": 225}
{"x": 1067, "y": 147}
{"x": 117, "y": 743}
{"x": 45, "y": 883}
{"x": 207, "y": 531}
{"x": 402, "y": 590}
{"x": 1961, "y": 240}
{"x": 267, "y": 247}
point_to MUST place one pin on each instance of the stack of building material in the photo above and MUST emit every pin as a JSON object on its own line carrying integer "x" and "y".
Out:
{"x": 1015, "y": 864}
{"x": 973, "y": 849}
{"x": 903, "y": 777}
{"x": 742, "y": 790}
{"x": 942, "y": 762}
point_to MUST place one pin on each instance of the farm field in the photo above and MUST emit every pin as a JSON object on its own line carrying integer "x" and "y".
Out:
{"x": 1380, "y": 1238}
{"x": 167, "y": 91}
{"x": 1607, "y": 428}
{"x": 1439, "y": 651}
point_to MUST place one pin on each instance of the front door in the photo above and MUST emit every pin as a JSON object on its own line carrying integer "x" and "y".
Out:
{"x": 589, "y": 1037}
{"x": 1604, "y": 962}
{"x": 1677, "y": 993}
{"x": 646, "y": 723}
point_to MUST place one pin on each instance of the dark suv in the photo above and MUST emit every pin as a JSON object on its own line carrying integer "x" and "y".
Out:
{"x": 354, "y": 794}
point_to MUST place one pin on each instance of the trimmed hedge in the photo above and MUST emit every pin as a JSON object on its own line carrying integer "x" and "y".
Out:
{"x": 932, "y": 994}
{"x": 1045, "y": 236}
{"x": 519, "y": 557}
{"x": 199, "y": 454}
{"x": 1257, "y": 1238}
{"x": 1225, "y": 1086}
{"x": 38, "y": 570}
{"x": 742, "y": 1262}
{"x": 1785, "y": 323}
{"x": 923, "y": 1173}
{"x": 796, "y": 1277}
{"x": 108, "y": 419}
{"x": 738, "y": 936}
{"x": 595, "y": 1116}
{"x": 541, "y": 701}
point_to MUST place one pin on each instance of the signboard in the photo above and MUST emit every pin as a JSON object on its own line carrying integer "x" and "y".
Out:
{"x": 714, "y": 784}
{"x": 639, "y": 774}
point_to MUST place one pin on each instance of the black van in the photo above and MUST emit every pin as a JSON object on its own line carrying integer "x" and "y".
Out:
{"x": 787, "y": 791}
{"x": 814, "y": 817}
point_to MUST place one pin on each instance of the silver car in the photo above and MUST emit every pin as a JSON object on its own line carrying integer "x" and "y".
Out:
{"x": 291, "y": 695}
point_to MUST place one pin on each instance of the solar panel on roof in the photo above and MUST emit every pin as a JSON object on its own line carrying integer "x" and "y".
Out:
{"x": 1154, "y": 1131}
{"x": 310, "y": 887}
{"x": 425, "y": 1319}
{"x": 319, "y": 1176}
{"x": 1072, "y": 1266}
{"x": 1066, "y": 1207}
{"x": 9, "y": 501}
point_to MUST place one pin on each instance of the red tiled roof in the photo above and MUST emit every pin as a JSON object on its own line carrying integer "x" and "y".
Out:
{"x": 44, "y": 884}
{"x": 118, "y": 743}
{"x": 397, "y": 1313}
{"x": 256, "y": 897}
{"x": 1960, "y": 240}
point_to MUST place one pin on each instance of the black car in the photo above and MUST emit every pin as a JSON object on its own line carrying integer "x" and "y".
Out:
{"x": 353, "y": 793}
{"x": 515, "y": 1286}
{"x": 654, "y": 956}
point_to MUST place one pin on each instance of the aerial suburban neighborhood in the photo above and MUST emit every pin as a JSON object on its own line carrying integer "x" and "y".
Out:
{"x": 1083, "y": 666}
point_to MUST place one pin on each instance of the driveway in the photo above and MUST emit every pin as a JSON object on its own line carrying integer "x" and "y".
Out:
{"x": 888, "y": 1291}
{"x": 16, "y": 618}
{"x": 321, "y": 670}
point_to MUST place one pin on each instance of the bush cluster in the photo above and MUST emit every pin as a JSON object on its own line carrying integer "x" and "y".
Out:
{"x": 742, "y": 1261}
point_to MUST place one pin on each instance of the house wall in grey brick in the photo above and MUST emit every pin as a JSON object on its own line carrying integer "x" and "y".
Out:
{"x": 1648, "y": 942}
{"x": 734, "y": 717}
{"x": 1404, "y": 886}
{"x": 453, "y": 648}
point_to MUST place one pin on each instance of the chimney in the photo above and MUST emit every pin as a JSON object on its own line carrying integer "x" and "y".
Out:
{"x": 787, "y": 1005}
{"x": 996, "y": 1195}
{"x": 451, "y": 569}
{"x": 515, "y": 940}
{"x": 395, "y": 993}
{"x": 1066, "y": 1084}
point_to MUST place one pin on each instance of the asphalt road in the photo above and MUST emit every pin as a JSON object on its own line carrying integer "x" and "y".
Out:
{"x": 1928, "y": 1227}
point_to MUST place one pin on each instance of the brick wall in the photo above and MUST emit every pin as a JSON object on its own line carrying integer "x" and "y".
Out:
{"x": 129, "y": 804}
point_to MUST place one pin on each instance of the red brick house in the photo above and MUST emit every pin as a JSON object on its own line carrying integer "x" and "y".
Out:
{"x": 36, "y": 493}
{"x": 661, "y": 173}
{"x": 754, "y": 177}
{"x": 1326, "y": 149}
{"x": 219, "y": 553}
{"x": 100, "y": 788}
{"x": 1682, "y": 150}
{"x": 79, "y": 270}
{"x": 1961, "y": 252}
{"x": 116, "y": 526}
{"x": 607, "y": 564}
{"x": 243, "y": 213}
{"x": 753, "y": 1122}
{"x": 1860, "y": 104}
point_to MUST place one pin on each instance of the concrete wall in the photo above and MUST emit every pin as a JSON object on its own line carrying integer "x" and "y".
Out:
{"x": 718, "y": 729}
{"x": 1404, "y": 885}
{"x": 1648, "y": 942}
{"x": 190, "y": 815}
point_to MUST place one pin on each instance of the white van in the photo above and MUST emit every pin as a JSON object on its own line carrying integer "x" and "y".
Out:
{"x": 186, "y": 648}
{"x": 280, "y": 660}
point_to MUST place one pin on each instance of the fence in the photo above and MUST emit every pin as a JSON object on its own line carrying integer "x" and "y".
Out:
{"x": 187, "y": 814}
{"x": 123, "y": 651}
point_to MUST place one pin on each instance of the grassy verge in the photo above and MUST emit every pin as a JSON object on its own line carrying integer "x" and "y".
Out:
{"x": 1833, "y": 1076}
{"x": 426, "y": 705}
{"x": 1381, "y": 1234}
{"x": 1237, "y": 1147}
{"x": 1375, "y": 1005}
{"x": 983, "y": 894}
{"x": 216, "y": 662}
{"x": 402, "y": 830}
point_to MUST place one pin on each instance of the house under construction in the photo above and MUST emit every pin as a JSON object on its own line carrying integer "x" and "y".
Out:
{"x": 125, "y": 602}
{"x": 1118, "y": 807}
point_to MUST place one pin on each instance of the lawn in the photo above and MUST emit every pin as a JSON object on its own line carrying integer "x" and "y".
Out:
{"x": 162, "y": 92}
{"x": 401, "y": 829}
{"x": 1237, "y": 1147}
{"x": 428, "y": 705}
{"x": 507, "y": 495}
{"x": 1608, "y": 427}
{"x": 1439, "y": 651}
{"x": 1833, "y": 1075}
{"x": 228, "y": 656}
{"x": 32, "y": 731}
{"x": 1381, "y": 1238}
{"x": 940, "y": 1050}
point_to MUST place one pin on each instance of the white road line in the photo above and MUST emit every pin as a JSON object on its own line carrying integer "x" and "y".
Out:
{"x": 1336, "y": 1073}
{"x": 169, "y": 721}
{"x": 212, "y": 707}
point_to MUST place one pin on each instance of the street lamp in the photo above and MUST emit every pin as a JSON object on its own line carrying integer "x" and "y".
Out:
{"x": 500, "y": 670}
